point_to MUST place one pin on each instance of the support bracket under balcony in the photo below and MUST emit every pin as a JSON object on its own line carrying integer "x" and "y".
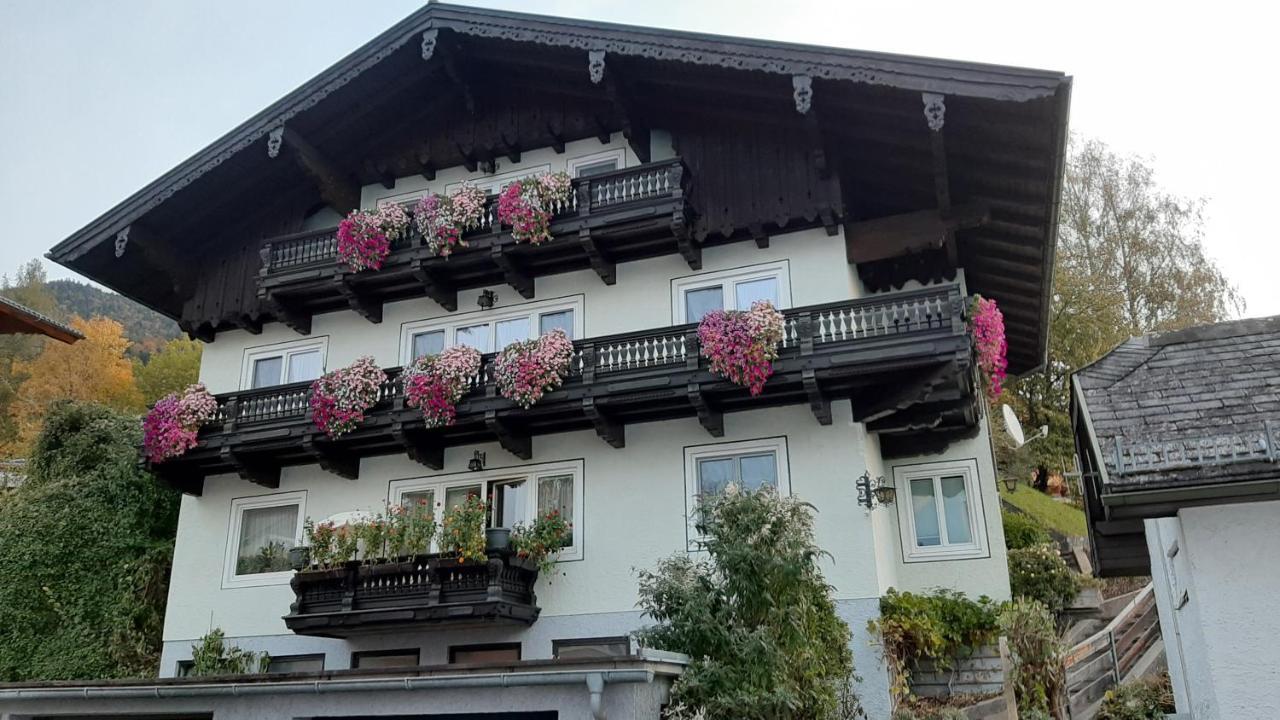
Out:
{"x": 299, "y": 322}
{"x": 329, "y": 459}
{"x": 512, "y": 273}
{"x": 712, "y": 420}
{"x": 609, "y": 430}
{"x": 260, "y": 473}
{"x": 417, "y": 448}
{"x": 605, "y": 268}
{"x": 819, "y": 403}
{"x": 688, "y": 246}
{"x": 906, "y": 395}
{"x": 444, "y": 294}
{"x": 366, "y": 307}
{"x": 518, "y": 444}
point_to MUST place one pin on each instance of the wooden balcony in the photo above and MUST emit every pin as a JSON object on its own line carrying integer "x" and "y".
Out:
{"x": 423, "y": 592}
{"x": 904, "y": 359}
{"x": 613, "y": 217}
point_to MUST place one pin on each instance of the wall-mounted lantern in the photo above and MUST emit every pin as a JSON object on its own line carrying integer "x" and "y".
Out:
{"x": 476, "y": 463}
{"x": 486, "y": 299}
{"x": 873, "y": 491}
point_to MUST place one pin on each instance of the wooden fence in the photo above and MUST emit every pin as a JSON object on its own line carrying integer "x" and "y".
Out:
{"x": 1106, "y": 658}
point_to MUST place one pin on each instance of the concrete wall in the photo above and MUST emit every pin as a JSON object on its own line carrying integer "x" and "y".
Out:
{"x": 1216, "y": 597}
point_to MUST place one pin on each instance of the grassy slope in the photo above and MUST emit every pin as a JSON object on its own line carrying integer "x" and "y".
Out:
{"x": 1051, "y": 513}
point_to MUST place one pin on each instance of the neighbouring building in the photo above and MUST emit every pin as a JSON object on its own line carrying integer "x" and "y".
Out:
{"x": 866, "y": 195}
{"x": 1178, "y": 435}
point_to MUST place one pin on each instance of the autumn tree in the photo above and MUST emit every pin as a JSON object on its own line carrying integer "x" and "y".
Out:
{"x": 1130, "y": 260}
{"x": 94, "y": 369}
{"x": 174, "y": 366}
{"x": 28, "y": 287}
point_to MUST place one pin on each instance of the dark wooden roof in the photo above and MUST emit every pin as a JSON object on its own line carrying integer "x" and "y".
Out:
{"x": 20, "y": 319}
{"x": 1005, "y": 139}
{"x": 1192, "y": 407}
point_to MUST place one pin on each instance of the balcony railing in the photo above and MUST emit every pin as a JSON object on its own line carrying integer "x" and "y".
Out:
{"x": 422, "y": 592}
{"x": 870, "y": 350}
{"x": 625, "y": 214}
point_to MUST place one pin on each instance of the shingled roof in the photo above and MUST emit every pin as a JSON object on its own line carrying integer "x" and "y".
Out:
{"x": 1193, "y": 407}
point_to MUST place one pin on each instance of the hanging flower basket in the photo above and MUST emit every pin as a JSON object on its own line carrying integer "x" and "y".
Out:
{"x": 171, "y": 427}
{"x": 443, "y": 219}
{"x": 986, "y": 322}
{"x": 528, "y": 204}
{"x": 525, "y": 371}
{"x": 742, "y": 345}
{"x": 340, "y": 398}
{"x": 435, "y": 383}
{"x": 365, "y": 236}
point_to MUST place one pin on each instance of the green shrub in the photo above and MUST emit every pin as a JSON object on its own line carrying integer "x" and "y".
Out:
{"x": 757, "y": 618}
{"x": 85, "y": 548}
{"x": 211, "y": 655}
{"x": 940, "y": 627}
{"x": 1022, "y": 531}
{"x": 1040, "y": 573}
{"x": 1144, "y": 699}
{"x": 1039, "y": 678}
{"x": 939, "y": 714}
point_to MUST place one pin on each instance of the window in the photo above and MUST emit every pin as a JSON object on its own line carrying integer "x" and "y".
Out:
{"x": 694, "y": 296}
{"x": 283, "y": 363}
{"x": 494, "y": 654}
{"x": 372, "y": 659}
{"x": 591, "y": 648}
{"x": 281, "y": 664}
{"x": 940, "y": 511}
{"x": 491, "y": 330}
{"x": 596, "y": 163}
{"x": 263, "y": 529}
{"x": 752, "y": 465}
{"x": 519, "y": 495}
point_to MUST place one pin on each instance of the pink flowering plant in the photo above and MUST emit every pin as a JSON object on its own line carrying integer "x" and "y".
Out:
{"x": 171, "y": 427}
{"x": 435, "y": 383}
{"x": 340, "y": 398}
{"x": 527, "y": 205}
{"x": 525, "y": 371}
{"x": 742, "y": 345}
{"x": 443, "y": 219}
{"x": 986, "y": 322}
{"x": 365, "y": 236}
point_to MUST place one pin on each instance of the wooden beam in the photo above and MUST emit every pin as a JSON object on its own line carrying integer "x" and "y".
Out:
{"x": 426, "y": 167}
{"x": 417, "y": 446}
{"x": 334, "y": 183}
{"x": 712, "y": 420}
{"x": 381, "y": 173}
{"x": 261, "y": 473}
{"x": 611, "y": 432}
{"x": 518, "y": 444}
{"x": 618, "y": 92}
{"x": 366, "y": 307}
{"x": 512, "y": 273}
{"x": 902, "y": 395}
{"x": 819, "y": 403}
{"x": 441, "y": 291}
{"x": 342, "y": 465}
{"x": 299, "y": 321}
{"x": 605, "y": 268}
{"x": 759, "y": 235}
{"x": 897, "y": 235}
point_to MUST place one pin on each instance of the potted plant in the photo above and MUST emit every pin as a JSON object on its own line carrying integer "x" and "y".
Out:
{"x": 299, "y": 557}
{"x": 497, "y": 539}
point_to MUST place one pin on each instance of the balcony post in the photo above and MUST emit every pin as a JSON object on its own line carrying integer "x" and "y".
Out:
{"x": 804, "y": 323}
{"x": 230, "y": 409}
{"x": 691, "y": 355}
{"x": 350, "y": 581}
{"x": 583, "y": 193}
{"x": 494, "y": 590}
{"x": 265, "y": 254}
{"x": 588, "y": 355}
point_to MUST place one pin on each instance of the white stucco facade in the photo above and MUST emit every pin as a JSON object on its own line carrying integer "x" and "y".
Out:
{"x": 1217, "y": 577}
{"x": 634, "y": 500}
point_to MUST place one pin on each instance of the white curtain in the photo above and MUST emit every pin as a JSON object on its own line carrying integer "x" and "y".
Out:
{"x": 555, "y": 492}
{"x": 266, "y": 534}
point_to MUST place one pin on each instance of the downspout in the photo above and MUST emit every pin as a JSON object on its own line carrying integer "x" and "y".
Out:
{"x": 595, "y": 686}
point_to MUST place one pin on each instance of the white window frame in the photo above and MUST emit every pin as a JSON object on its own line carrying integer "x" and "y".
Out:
{"x": 780, "y": 270}
{"x": 617, "y": 154}
{"x": 697, "y": 453}
{"x": 451, "y": 323}
{"x": 285, "y": 350}
{"x": 238, "y": 506}
{"x": 492, "y": 184}
{"x": 439, "y": 484}
{"x": 913, "y": 552}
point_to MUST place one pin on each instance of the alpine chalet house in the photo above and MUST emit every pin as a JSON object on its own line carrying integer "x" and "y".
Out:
{"x": 578, "y": 202}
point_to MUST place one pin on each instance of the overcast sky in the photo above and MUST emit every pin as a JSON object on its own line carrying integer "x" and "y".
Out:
{"x": 98, "y": 98}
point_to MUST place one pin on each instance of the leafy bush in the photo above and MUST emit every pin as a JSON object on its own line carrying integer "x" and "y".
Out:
{"x": 1022, "y": 531}
{"x": 1039, "y": 677}
{"x": 211, "y": 655}
{"x": 85, "y": 549}
{"x": 939, "y": 714}
{"x": 940, "y": 627}
{"x": 757, "y": 618}
{"x": 1040, "y": 573}
{"x": 1147, "y": 698}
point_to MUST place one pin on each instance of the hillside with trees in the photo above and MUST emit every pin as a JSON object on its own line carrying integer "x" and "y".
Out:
{"x": 146, "y": 329}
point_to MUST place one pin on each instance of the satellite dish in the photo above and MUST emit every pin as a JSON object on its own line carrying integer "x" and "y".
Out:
{"x": 1013, "y": 426}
